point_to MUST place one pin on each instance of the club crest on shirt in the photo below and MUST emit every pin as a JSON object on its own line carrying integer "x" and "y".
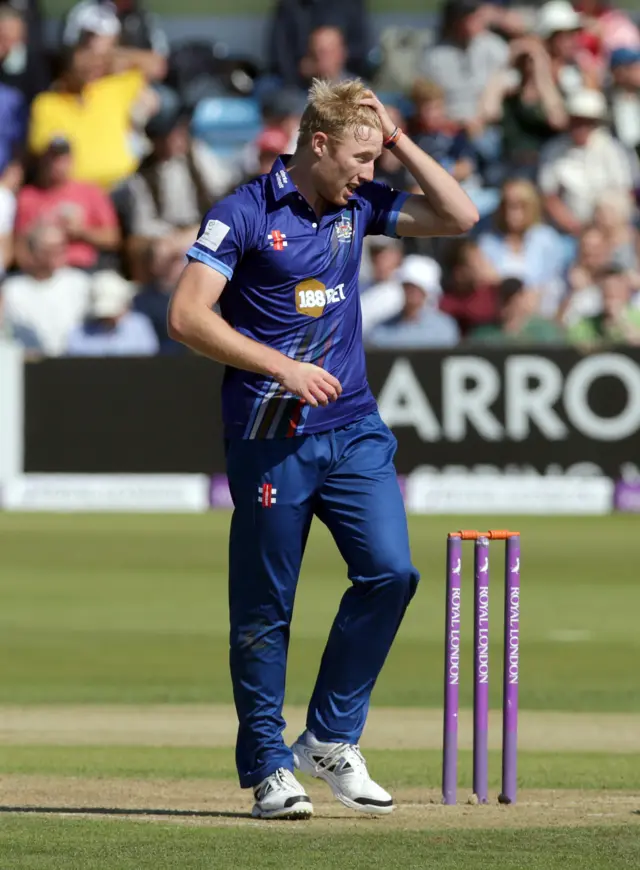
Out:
{"x": 344, "y": 228}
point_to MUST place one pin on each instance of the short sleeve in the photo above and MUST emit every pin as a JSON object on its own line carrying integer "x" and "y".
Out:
{"x": 226, "y": 233}
{"x": 382, "y": 205}
{"x": 102, "y": 210}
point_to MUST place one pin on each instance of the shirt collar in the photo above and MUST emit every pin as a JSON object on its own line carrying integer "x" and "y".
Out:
{"x": 282, "y": 186}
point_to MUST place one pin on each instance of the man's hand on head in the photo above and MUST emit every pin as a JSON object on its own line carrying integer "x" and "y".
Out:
{"x": 371, "y": 100}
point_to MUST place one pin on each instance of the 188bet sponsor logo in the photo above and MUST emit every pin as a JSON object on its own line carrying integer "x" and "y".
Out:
{"x": 312, "y": 297}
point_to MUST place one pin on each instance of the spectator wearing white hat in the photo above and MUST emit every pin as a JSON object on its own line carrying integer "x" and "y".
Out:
{"x": 383, "y": 297}
{"x": 419, "y": 323}
{"x": 99, "y": 104}
{"x": 112, "y": 328}
{"x": 559, "y": 25}
{"x": 136, "y": 39}
{"x": 578, "y": 167}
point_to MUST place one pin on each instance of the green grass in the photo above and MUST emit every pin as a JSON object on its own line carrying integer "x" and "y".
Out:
{"x": 133, "y": 609}
{"x": 54, "y": 844}
{"x": 396, "y": 768}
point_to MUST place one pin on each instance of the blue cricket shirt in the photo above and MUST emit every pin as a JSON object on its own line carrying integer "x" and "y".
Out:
{"x": 293, "y": 285}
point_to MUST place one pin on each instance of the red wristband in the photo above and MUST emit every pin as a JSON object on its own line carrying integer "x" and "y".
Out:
{"x": 392, "y": 140}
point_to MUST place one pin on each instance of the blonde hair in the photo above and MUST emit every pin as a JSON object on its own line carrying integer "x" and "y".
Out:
{"x": 426, "y": 91}
{"x": 529, "y": 194}
{"x": 335, "y": 109}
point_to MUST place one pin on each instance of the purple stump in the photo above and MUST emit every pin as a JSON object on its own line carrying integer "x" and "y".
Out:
{"x": 451, "y": 671}
{"x": 481, "y": 671}
{"x": 511, "y": 671}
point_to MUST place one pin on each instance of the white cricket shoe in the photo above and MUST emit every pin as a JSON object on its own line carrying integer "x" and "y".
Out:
{"x": 344, "y": 769}
{"x": 280, "y": 796}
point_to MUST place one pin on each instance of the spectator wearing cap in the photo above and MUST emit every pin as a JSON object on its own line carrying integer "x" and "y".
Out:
{"x": 139, "y": 30}
{"x": 111, "y": 327}
{"x": 518, "y": 321}
{"x": 293, "y": 23}
{"x": 525, "y": 100}
{"x": 84, "y": 211}
{"x": 579, "y": 166}
{"x": 164, "y": 269}
{"x": 176, "y": 184}
{"x": 128, "y": 49}
{"x": 624, "y": 96}
{"x": 96, "y": 109}
{"x": 383, "y": 298}
{"x": 464, "y": 59}
{"x": 24, "y": 65}
{"x": 559, "y": 26}
{"x": 470, "y": 286}
{"x": 605, "y": 29}
{"x": 618, "y": 321}
{"x": 419, "y": 323}
{"x": 49, "y": 298}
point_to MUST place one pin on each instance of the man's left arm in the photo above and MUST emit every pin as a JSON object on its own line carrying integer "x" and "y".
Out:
{"x": 443, "y": 208}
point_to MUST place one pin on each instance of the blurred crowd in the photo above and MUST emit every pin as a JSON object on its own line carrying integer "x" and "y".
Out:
{"x": 114, "y": 142}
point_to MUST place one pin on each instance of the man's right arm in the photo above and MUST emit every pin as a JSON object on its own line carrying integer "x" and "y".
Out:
{"x": 192, "y": 321}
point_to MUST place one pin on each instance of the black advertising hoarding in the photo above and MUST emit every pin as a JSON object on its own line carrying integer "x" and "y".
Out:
{"x": 550, "y": 412}
{"x": 152, "y": 415}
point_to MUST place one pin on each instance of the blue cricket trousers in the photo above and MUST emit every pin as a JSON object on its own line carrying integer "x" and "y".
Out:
{"x": 346, "y": 478}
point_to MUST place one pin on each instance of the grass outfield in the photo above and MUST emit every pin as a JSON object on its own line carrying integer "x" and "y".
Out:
{"x": 132, "y": 609}
{"x": 115, "y": 613}
{"x": 404, "y": 768}
{"x": 31, "y": 844}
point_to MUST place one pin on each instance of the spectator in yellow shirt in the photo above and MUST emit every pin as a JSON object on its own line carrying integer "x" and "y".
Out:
{"x": 97, "y": 106}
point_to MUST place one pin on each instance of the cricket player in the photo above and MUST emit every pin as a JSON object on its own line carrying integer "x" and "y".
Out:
{"x": 303, "y": 436}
